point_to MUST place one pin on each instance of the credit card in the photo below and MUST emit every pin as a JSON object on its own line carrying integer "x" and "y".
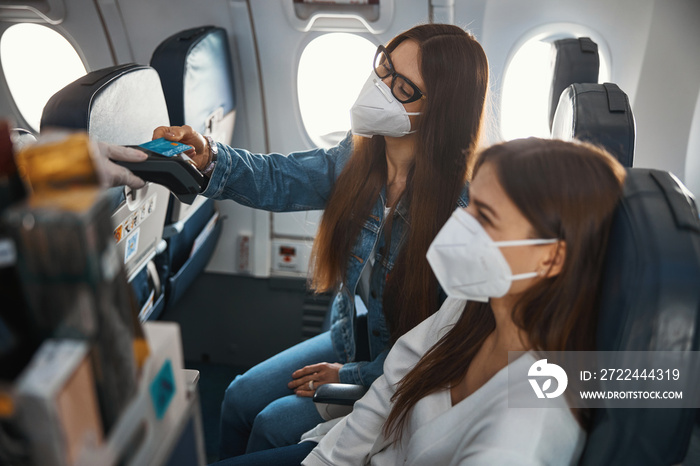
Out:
{"x": 164, "y": 147}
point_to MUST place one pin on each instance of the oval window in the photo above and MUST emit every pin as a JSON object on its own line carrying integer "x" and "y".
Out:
{"x": 37, "y": 62}
{"x": 527, "y": 85}
{"x": 332, "y": 69}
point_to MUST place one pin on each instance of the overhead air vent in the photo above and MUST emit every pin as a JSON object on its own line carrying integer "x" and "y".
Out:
{"x": 368, "y": 9}
{"x": 373, "y": 16}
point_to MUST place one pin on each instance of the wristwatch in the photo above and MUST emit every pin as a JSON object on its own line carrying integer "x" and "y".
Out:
{"x": 213, "y": 154}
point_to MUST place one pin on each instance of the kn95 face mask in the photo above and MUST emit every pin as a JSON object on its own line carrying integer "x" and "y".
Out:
{"x": 469, "y": 264}
{"x": 377, "y": 112}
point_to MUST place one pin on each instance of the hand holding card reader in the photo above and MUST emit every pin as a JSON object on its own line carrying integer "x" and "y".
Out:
{"x": 167, "y": 165}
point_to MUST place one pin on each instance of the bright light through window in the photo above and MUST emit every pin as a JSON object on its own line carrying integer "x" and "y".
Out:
{"x": 332, "y": 70}
{"x": 524, "y": 110}
{"x": 526, "y": 89}
{"x": 37, "y": 62}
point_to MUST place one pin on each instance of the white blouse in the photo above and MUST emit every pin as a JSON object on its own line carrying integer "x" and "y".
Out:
{"x": 479, "y": 430}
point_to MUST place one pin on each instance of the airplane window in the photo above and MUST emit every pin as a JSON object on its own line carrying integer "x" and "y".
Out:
{"x": 526, "y": 88}
{"x": 37, "y": 62}
{"x": 332, "y": 69}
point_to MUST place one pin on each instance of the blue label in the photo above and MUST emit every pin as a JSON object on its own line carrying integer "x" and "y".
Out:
{"x": 132, "y": 245}
{"x": 164, "y": 147}
{"x": 163, "y": 389}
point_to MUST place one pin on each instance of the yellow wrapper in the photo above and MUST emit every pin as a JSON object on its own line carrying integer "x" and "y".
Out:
{"x": 60, "y": 167}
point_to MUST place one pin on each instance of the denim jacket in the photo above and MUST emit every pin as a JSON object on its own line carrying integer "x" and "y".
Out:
{"x": 304, "y": 181}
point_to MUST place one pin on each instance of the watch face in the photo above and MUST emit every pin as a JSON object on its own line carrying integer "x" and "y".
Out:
{"x": 213, "y": 148}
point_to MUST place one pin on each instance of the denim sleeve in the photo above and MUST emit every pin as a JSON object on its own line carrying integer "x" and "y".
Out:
{"x": 363, "y": 372}
{"x": 277, "y": 182}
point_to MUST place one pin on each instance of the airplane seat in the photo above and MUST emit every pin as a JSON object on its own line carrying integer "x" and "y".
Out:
{"x": 122, "y": 105}
{"x": 650, "y": 301}
{"x": 196, "y": 74}
{"x": 597, "y": 113}
{"x": 575, "y": 61}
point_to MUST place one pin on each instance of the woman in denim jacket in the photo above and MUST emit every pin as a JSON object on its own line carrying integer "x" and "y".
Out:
{"x": 386, "y": 192}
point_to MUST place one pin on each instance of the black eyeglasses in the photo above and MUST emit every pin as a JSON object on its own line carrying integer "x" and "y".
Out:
{"x": 401, "y": 87}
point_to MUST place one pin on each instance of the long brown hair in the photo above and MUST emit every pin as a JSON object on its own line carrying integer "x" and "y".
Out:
{"x": 455, "y": 72}
{"x": 566, "y": 191}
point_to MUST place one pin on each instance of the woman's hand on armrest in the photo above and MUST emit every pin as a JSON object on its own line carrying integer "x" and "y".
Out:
{"x": 309, "y": 378}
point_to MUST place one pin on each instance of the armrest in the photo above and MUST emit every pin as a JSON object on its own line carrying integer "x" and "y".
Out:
{"x": 339, "y": 393}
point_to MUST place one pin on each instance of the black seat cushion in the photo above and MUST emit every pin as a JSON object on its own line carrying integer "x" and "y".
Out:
{"x": 121, "y": 105}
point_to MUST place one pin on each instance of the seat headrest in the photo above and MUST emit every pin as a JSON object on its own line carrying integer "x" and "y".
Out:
{"x": 600, "y": 114}
{"x": 121, "y": 105}
{"x": 650, "y": 301}
{"x": 576, "y": 61}
{"x": 196, "y": 73}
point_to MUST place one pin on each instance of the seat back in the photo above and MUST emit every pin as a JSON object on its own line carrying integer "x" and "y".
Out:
{"x": 650, "y": 302}
{"x": 197, "y": 78}
{"x": 120, "y": 105}
{"x": 600, "y": 114}
{"x": 575, "y": 61}
{"x": 196, "y": 72}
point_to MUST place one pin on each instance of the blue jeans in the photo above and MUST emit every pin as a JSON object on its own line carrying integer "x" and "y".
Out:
{"x": 291, "y": 455}
{"x": 260, "y": 412}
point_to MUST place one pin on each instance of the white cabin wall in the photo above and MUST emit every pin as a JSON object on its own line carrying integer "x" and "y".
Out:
{"x": 692, "y": 160}
{"x": 669, "y": 85}
{"x": 470, "y": 16}
{"x": 250, "y": 133}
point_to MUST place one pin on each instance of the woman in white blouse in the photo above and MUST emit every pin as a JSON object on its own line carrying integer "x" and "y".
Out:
{"x": 521, "y": 267}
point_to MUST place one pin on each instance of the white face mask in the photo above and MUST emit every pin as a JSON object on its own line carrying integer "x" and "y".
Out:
{"x": 469, "y": 264}
{"x": 377, "y": 112}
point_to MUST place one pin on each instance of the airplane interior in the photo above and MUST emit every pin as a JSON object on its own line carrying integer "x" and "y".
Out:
{"x": 219, "y": 286}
